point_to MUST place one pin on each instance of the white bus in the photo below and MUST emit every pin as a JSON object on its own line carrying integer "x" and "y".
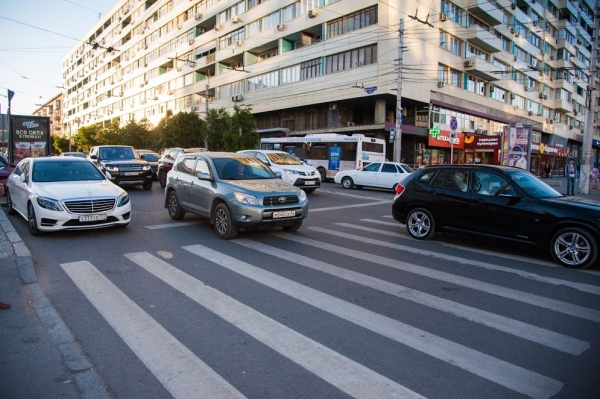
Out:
{"x": 330, "y": 153}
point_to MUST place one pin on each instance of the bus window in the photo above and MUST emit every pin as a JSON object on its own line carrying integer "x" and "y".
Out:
{"x": 372, "y": 147}
{"x": 348, "y": 152}
{"x": 318, "y": 152}
{"x": 267, "y": 146}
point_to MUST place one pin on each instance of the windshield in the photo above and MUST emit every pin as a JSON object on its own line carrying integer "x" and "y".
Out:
{"x": 532, "y": 186}
{"x": 117, "y": 153}
{"x": 242, "y": 169}
{"x": 74, "y": 154}
{"x": 52, "y": 171}
{"x": 150, "y": 157}
{"x": 283, "y": 158}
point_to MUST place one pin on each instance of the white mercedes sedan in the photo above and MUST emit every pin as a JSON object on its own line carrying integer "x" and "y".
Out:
{"x": 65, "y": 193}
{"x": 376, "y": 174}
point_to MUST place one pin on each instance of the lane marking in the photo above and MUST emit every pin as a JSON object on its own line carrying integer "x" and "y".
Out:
{"x": 526, "y": 331}
{"x": 349, "y": 195}
{"x": 181, "y": 372}
{"x": 501, "y": 372}
{"x": 333, "y": 208}
{"x": 583, "y": 287}
{"x": 536, "y": 300}
{"x": 347, "y": 375}
{"x": 169, "y": 225}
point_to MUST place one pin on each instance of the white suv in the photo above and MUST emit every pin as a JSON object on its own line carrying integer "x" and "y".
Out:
{"x": 292, "y": 169}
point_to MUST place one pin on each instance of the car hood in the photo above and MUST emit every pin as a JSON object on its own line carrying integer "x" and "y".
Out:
{"x": 263, "y": 186}
{"x": 299, "y": 168}
{"x": 78, "y": 189}
{"x": 125, "y": 162}
{"x": 580, "y": 202}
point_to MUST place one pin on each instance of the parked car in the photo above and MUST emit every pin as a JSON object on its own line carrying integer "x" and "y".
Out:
{"x": 65, "y": 193}
{"x": 292, "y": 169}
{"x": 235, "y": 191}
{"x": 73, "y": 154}
{"x": 122, "y": 164}
{"x": 499, "y": 202}
{"x": 165, "y": 163}
{"x": 5, "y": 171}
{"x": 376, "y": 174}
{"x": 152, "y": 158}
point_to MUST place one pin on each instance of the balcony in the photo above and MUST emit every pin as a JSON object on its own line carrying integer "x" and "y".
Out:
{"x": 485, "y": 10}
{"x": 482, "y": 69}
{"x": 568, "y": 4}
{"x": 561, "y": 105}
{"x": 564, "y": 84}
{"x": 483, "y": 39}
{"x": 568, "y": 46}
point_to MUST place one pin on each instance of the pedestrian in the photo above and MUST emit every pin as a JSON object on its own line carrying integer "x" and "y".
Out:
{"x": 571, "y": 173}
{"x": 595, "y": 177}
{"x": 548, "y": 170}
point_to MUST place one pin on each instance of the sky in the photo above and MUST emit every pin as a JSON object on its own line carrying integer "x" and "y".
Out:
{"x": 35, "y": 35}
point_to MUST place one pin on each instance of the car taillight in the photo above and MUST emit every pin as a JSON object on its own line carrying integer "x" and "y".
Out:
{"x": 399, "y": 189}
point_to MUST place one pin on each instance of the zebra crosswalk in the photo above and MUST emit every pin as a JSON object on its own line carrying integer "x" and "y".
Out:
{"x": 186, "y": 374}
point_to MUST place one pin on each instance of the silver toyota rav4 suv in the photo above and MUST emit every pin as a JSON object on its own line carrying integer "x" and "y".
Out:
{"x": 235, "y": 191}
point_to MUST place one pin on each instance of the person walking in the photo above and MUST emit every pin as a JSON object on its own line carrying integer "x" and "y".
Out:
{"x": 595, "y": 178}
{"x": 571, "y": 173}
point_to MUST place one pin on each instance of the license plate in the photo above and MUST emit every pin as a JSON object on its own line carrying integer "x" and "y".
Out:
{"x": 92, "y": 218}
{"x": 131, "y": 173}
{"x": 283, "y": 214}
{"x": 310, "y": 182}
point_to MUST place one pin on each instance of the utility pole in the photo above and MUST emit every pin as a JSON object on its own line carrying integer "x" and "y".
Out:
{"x": 584, "y": 176}
{"x": 398, "y": 138}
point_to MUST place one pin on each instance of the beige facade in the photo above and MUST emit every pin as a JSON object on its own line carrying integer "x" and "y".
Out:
{"x": 305, "y": 66}
{"x": 54, "y": 110}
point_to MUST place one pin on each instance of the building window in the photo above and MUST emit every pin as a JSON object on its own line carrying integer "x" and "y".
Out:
{"x": 292, "y": 11}
{"x": 231, "y": 38}
{"x": 518, "y": 101}
{"x": 476, "y": 85}
{"x": 264, "y": 81}
{"x": 230, "y": 90}
{"x": 473, "y": 51}
{"x": 451, "y": 43}
{"x": 351, "y": 59}
{"x": 352, "y": 22}
{"x": 453, "y": 12}
{"x": 290, "y": 74}
{"x": 498, "y": 94}
{"x": 310, "y": 69}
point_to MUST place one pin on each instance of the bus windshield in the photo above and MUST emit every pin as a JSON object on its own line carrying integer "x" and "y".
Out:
{"x": 282, "y": 158}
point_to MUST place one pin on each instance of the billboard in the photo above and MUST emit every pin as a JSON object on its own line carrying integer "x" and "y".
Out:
{"x": 516, "y": 146}
{"x": 29, "y": 137}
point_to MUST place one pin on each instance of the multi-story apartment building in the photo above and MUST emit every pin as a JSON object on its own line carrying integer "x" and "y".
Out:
{"x": 53, "y": 109}
{"x": 316, "y": 66}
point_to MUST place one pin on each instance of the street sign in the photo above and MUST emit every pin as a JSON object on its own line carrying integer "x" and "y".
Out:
{"x": 453, "y": 124}
{"x": 392, "y": 134}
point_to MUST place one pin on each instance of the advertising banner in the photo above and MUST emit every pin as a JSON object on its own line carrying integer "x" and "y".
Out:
{"x": 517, "y": 146}
{"x": 29, "y": 137}
{"x": 334, "y": 158}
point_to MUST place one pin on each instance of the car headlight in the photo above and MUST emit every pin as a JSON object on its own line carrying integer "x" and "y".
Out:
{"x": 49, "y": 203}
{"x": 111, "y": 168}
{"x": 122, "y": 200}
{"x": 246, "y": 198}
{"x": 290, "y": 172}
{"x": 146, "y": 167}
{"x": 302, "y": 196}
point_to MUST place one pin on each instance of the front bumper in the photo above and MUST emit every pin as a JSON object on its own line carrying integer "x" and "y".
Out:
{"x": 130, "y": 177}
{"x": 62, "y": 220}
{"x": 255, "y": 216}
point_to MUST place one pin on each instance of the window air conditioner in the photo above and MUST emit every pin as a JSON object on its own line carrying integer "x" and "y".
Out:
{"x": 155, "y": 98}
{"x": 120, "y": 94}
{"x": 236, "y": 19}
{"x": 541, "y": 95}
{"x": 530, "y": 113}
{"x": 443, "y": 16}
{"x": 198, "y": 17}
{"x": 517, "y": 33}
{"x": 280, "y": 26}
{"x": 170, "y": 92}
{"x": 237, "y": 98}
{"x": 441, "y": 84}
{"x": 513, "y": 30}
{"x": 179, "y": 69}
{"x": 312, "y": 13}
{"x": 535, "y": 23}
{"x": 192, "y": 41}
{"x": 468, "y": 63}
{"x": 545, "y": 96}
{"x": 513, "y": 6}
{"x": 551, "y": 121}
{"x": 526, "y": 88}
{"x": 239, "y": 43}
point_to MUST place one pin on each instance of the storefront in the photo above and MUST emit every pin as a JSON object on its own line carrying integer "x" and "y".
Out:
{"x": 482, "y": 149}
{"x": 552, "y": 159}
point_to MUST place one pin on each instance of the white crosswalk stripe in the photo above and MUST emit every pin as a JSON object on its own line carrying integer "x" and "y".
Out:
{"x": 485, "y": 366}
{"x": 334, "y": 368}
{"x": 532, "y": 299}
{"x": 175, "y": 366}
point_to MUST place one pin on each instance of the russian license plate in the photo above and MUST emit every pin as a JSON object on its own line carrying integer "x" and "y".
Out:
{"x": 92, "y": 218}
{"x": 310, "y": 182}
{"x": 131, "y": 173}
{"x": 283, "y": 214}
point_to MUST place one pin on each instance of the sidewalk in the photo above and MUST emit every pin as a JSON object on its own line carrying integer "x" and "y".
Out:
{"x": 560, "y": 185}
{"x": 39, "y": 357}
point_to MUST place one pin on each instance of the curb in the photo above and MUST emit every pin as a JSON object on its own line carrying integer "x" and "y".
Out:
{"x": 87, "y": 381}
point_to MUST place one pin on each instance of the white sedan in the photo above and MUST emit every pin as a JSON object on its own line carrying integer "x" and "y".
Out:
{"x": 376, "y": 174}
{"x": 65, "y": 193}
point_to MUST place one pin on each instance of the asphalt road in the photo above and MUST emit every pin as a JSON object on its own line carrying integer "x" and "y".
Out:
{"x": 348, "y": 306}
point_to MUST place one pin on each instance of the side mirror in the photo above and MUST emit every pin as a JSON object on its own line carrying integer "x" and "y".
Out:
{"x": 204, "y": 176}
{"x": 94, "y": 156}
{"x": 278, "y": 174}
{"x": 23, "y": 178}
{"x": 142, "y": 156}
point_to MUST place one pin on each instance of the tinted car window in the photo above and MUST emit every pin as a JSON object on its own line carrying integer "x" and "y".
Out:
{"x": 532, "y": 186}
{"x": 150, "y": 157}
{"x": 389, "y": 168}
{"x": 262, "y": 157}
{"x": 374, "y": 167}
{"x": 187, "y": 166}
{"x": 405, "y": 167}
{"x": 201, "y": 167}
{"x": 452, "y": 179}
{"x": 426, "y": 177}
{"x": 490, "y": 184}
{"x": 65, "y": 171}
{"x": 231, "y": 169}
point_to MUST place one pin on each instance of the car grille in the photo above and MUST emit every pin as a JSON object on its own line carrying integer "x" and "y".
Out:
{"x": 130, "y": 167}
{"x": 307, "y": 173}
{"x": 275, "y": 200}
{"x": 88, "y": 206}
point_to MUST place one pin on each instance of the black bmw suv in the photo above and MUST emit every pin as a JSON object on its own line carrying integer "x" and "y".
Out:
{"x": 121, "y": 164}
{"x": 499, "y": 202}
{"x": 165, "y": 163}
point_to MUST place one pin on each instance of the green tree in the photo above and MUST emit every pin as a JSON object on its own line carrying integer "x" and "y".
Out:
{"x": 184, "y": 129}
{"x": 59, "y": 144}
{"x": 137, "y": 134}
{"x": 241, "y": 133}
{"x": 110, "y": 133}
{"x": 85, "y": 138}
{"x": 217, "y": 125}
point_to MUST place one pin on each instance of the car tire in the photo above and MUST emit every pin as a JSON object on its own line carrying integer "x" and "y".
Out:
{"x": 173, "y": 206}
{"x": 574, "y": 247}
{"x": 347, "y": 182}
{"x": 32, "y": 220}
{"x": 10, "y": 209}
{"x": 293, "y": 227}
{"x": 323, "y": 173}
{"x": 309, "y": 190}
{"x": 420, "y": 224}
{"x": 147, "y": 185}
{"x": 162, "y": 179}
{"x": 224, "y": 226}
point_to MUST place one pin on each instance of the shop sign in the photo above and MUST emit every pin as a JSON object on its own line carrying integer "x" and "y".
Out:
{"x": 596, "y": 143}
{"x": 482, "y": 142}
{"x": 547, "y": 149}
{"x": 29, "y": 137}
{"x": 442, "y": 138}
